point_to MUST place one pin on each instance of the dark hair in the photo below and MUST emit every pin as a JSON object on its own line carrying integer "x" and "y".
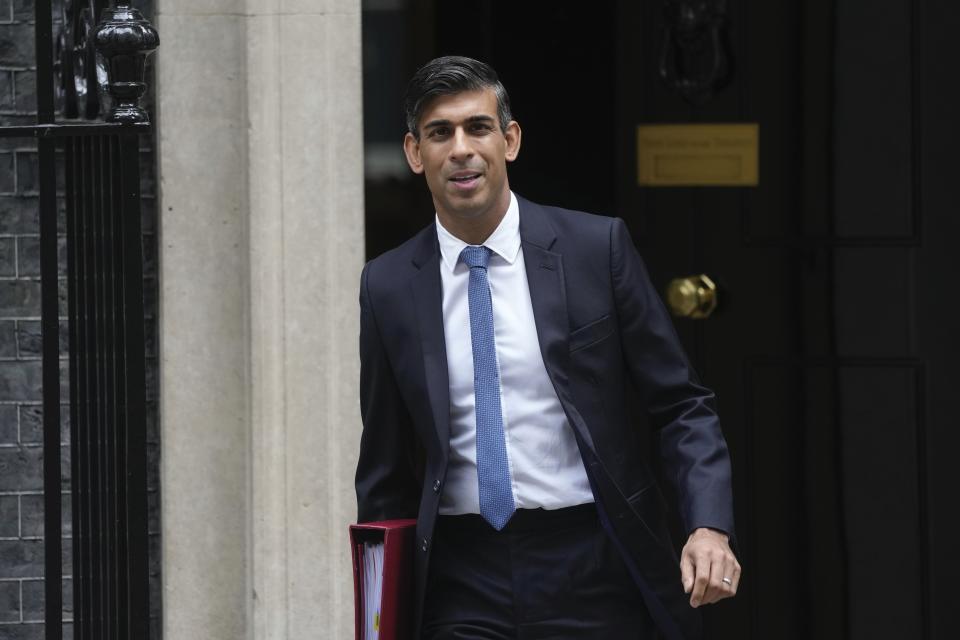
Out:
{"x": 449, "y": 75}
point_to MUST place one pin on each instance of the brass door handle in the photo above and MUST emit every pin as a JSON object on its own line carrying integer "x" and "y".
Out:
{"x": 692, "y": 297}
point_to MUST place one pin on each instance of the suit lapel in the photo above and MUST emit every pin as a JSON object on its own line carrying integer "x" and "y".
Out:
{"x": 428, "y": 302}
{"x": 549, "y": 298}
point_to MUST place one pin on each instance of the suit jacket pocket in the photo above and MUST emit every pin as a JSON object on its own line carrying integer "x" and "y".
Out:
{"x": 591, "y": 333}
{"x": 646, "y": 498}
{"x": 649, "y": 506}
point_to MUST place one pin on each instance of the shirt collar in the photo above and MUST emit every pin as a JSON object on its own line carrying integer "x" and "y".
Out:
{"x": 504, "y": 241}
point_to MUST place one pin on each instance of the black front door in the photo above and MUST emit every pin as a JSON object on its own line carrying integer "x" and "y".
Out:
{"x": 819, "y": 350}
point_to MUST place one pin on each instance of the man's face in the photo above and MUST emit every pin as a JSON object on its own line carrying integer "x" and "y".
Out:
{"x": 463, "y": 153}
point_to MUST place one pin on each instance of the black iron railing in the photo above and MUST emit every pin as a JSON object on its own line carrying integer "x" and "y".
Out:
{"x": 105, "y": 311}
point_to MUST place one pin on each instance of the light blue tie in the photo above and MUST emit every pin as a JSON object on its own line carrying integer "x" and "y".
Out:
{"x": 493, "y": 470}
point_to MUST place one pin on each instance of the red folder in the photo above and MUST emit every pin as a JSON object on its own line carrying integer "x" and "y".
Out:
{"x": 397, "y": 598}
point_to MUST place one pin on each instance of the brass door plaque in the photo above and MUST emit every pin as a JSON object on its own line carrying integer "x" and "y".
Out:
{"x": 697, "y": 155}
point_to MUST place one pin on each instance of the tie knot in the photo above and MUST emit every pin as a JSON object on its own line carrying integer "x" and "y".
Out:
{"x": 474, "y": 256}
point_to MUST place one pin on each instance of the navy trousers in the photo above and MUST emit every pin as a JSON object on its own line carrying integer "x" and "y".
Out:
{"x": 548, "y": 575}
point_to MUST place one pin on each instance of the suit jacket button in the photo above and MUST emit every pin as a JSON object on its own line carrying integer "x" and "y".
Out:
{"x": 436, "y": 487}
{"x": 424, "y": 545}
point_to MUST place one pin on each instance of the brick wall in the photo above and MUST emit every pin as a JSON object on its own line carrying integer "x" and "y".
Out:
{"x": 21, "y": 502}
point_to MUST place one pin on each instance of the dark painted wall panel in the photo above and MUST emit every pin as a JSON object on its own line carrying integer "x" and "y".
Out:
{"x": 873, "y": 118}
{"x": 881, "y": 488}
{"x": 937, "y": 309}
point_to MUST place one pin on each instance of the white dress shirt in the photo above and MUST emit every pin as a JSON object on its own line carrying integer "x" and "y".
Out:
{"x": 545, "y": 465}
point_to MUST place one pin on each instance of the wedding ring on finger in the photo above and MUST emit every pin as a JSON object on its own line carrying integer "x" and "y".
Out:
{"x": 727, "y": 581}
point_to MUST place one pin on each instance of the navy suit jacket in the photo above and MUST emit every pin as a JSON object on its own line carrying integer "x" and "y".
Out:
{"x": 604, "y": 335}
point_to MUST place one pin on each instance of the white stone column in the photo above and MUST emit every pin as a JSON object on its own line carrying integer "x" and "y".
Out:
{"x": 306, "y": 223}
{"x": 261, "y": 174}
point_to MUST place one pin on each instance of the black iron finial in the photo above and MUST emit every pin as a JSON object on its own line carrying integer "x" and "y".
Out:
{"x": 125, "y": 39}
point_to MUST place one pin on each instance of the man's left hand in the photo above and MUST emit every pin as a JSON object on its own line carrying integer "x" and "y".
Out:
{"x": 708, "y": 568}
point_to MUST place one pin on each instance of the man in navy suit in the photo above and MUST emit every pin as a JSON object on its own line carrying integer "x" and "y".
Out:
{"x": 499, "y": 347}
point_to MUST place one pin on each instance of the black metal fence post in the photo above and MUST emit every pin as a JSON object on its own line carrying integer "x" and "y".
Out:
{"x": 50, "y": 331}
